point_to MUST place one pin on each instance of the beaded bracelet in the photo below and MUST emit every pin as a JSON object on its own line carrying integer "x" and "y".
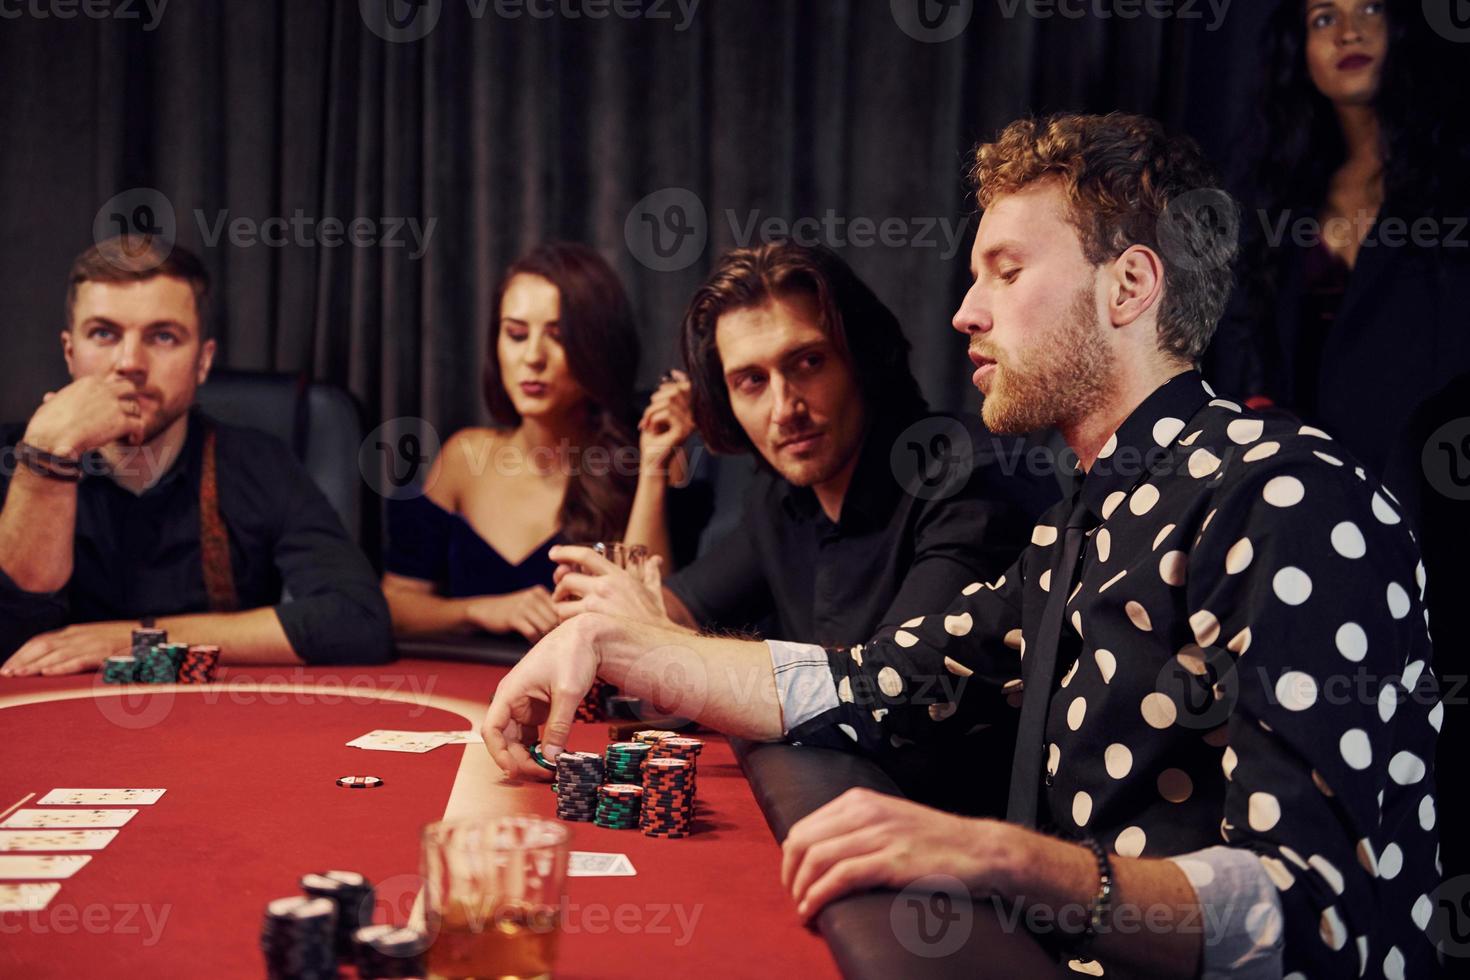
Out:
{"x": 1102, "y": 902}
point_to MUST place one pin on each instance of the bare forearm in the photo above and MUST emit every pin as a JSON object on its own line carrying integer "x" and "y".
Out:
{"x": 253, "y": 637}
{"x": 1155, "y": 928}
{"x": 725, "y": 684}
{"x": 648, "y": 521}
{"x": 421, "y": 613}
{"x": 37, "y": 526}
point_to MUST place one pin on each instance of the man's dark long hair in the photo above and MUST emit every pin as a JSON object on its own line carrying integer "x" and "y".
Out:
{"x": 601, "y": 344}
{"x": 863, "y": 330}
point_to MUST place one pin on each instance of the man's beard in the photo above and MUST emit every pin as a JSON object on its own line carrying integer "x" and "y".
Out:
{"x": 819, "y": 469}
{"x": 1064, "y": 376}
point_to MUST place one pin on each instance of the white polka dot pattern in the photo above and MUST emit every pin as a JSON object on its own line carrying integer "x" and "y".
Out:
{"x": 1225, "y": 596}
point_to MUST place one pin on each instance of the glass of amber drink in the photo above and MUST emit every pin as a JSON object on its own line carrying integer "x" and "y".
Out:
{"x": 493, "y": 896}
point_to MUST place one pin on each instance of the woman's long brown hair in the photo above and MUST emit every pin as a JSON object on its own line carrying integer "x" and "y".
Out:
{"x": 601, "y": 345}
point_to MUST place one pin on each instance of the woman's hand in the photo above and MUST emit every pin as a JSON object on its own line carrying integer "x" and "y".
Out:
{"x": 667, "y": 424}
{"x": 529, "y": 612}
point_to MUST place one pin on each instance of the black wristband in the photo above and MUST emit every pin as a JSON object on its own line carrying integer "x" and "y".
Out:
{"x": 49, "y": 465}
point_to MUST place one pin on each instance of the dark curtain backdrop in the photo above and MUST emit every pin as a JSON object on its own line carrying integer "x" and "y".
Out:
{"x": 506, "y": 132}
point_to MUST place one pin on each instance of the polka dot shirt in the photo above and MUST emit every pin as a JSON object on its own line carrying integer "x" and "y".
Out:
{"x": 1244, "y": 662}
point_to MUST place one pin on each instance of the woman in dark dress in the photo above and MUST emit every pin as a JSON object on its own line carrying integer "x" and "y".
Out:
{"x": 564, "y": 463}
{"x": 1353, "y": 306}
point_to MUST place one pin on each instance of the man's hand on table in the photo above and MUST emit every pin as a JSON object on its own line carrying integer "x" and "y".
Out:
{"x": 864, "y": 840}
{"x": 543, "y": 690}
{"x": 70, "y": 650}
{"x": 588, "y": 582}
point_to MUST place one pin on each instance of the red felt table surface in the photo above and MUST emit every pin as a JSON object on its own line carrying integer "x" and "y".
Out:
{"x": 252, "y": 803}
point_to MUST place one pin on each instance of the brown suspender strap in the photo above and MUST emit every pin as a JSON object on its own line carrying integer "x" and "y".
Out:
{"x": 214, "y": 539}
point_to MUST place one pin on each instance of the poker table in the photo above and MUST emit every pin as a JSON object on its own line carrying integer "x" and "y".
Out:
{"x": 250, "y": 767}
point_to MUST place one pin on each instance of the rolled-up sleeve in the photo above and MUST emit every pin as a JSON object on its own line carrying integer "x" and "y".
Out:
{"x": 925, "y": 681}
{"x": 1241, "y": 913}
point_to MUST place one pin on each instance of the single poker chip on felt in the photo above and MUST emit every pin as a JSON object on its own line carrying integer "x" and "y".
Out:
{"x": 360, "y": 782}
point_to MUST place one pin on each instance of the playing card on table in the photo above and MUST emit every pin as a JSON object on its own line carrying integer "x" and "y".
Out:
{"x": 99, "y": 797}
{"x": 41, "y": 866}
{"x": 68, "y": 818}
{"x": 457, "y": 738}
{"x": 387, "y": 740}
{"x": 592, "y": 864}
{"x": 29, "y": 897}
{"x": 55, "y": 840}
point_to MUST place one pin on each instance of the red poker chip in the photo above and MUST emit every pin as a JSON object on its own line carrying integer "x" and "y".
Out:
{"x": 359, "y": 782}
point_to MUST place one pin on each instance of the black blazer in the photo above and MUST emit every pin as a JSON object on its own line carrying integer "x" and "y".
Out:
{"x": 1401, "y": 335}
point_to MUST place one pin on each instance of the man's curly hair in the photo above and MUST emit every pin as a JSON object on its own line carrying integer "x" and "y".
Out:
{"x": 1121, "y": 174}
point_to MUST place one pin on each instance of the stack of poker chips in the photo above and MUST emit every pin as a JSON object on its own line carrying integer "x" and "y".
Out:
{"x": 590, "y": 708}
{"x": 624, "y": 761}
{"x": 351, "y": 893}
{"x": 384, "y": 951}
{"x": 176, "y": 652}
{"x": 619, "y": 806}
{"x": 298, "y": 938}
{"x": 668, "y": 798}
{"x": 148, "y": 637}
{"x": 578, "y": 776}
{"x": 678, "y": 747}
{"x": 198, "y": 665}
{"x": 653, "y": 735}
{"x": 155, "y": 665}
{"x": 119, "y": 670}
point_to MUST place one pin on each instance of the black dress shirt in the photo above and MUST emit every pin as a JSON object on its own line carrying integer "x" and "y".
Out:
{"x": 1244, "y": 658}
{"x": 891, "y": 553}
{"x": 140, "y": 555}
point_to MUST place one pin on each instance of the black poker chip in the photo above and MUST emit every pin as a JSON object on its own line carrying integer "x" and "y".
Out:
{"x": 298, "y": 939}
{"x": 360, "y": 782}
